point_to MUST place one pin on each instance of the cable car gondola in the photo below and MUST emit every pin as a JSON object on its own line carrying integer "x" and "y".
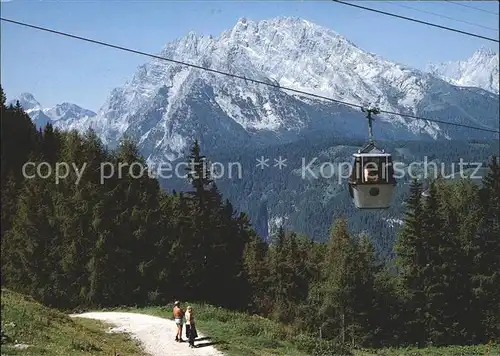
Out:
{"x": 371, "y": 182}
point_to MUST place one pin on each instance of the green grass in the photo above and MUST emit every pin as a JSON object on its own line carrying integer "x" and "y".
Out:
{"x": 239, "y": 334}
{"x": 491, "y": 350}
{"x": 49, "y": 332}
{"x": 53, "y": 333}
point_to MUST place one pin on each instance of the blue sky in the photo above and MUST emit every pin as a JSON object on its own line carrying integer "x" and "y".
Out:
{"x": 56, "y": 69}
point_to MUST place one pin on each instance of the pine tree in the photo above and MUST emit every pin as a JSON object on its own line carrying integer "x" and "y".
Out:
{"x": 9, "y": 204}
{"x": 3, "y": 97}
{"x": 441, "y": 292}
{"x": 135, "y": 225}
{"x": 29, "y": 241}
{"x": 291, "y": 276}
{"x": 257, "y": 272}
{"x": 50, "y": 144}
{"x": 186, "y": 255}
{"x": 339, "y": 310}
{"x": 163, "y": 264}
{"x": 365, "y": 296}
{"x": 279, "y": 270}
{"x": 462, "y": 215}
{"x": 297, "y": 258}
{"x": 199, "y": 175}
{"x": 72, "y": 211}
{"x": 411, "y": 259}
{"x": 486, "y": 276}
{"x": 236, "y": 233}
{"x": 19, "y": 142}
{"x": 217, "y": 232}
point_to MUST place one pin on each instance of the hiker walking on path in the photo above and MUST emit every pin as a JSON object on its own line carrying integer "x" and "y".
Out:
{"x": 191, "y": 333}
{"x": 178, "y": 317}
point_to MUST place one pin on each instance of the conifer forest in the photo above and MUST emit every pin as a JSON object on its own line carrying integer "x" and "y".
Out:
{"x": 125, "y": 242}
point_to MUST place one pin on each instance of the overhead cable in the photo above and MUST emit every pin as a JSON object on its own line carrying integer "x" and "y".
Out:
{"x": 418, "y": 21}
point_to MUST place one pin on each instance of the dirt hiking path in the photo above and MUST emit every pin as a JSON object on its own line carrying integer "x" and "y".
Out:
{"x": 155, "y": 334}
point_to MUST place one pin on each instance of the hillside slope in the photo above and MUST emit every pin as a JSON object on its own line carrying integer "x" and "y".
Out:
{"x": 29, "y": 328}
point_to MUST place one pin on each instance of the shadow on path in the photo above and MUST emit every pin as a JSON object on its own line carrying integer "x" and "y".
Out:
{"x": 205, "y": 344}
{"x": 209, "y": 343}
{"x": 202, "y": 338}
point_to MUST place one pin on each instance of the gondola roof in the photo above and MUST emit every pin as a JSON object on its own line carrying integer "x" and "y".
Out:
{"x": 371, "y": 151}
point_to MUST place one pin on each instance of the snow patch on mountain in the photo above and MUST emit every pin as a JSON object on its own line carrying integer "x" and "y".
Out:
{"x": 480, "y": 70}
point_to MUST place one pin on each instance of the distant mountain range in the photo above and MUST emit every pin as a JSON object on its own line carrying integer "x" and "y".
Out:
{"x": 480, "y": 71}
{"x": 165, "y": 106}
{"x": 59, "y": 115}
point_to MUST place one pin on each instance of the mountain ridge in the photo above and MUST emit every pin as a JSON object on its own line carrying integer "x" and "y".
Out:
{"x": 165, "y": 105}
{"x": 481, "y": 70}
{"x": 60, "y": 112}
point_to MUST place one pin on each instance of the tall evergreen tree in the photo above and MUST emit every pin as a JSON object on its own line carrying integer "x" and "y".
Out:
{"x": 459, "y": 217}
{"x": 199, "y": 175}
{"x": 9, "y": 199}
{"x": 279, "y": 272}
{"x": 257, "y": 272}
{"x": 486, "y": 276}
{"x": 19, "y": 142}
{"x": 3, "y": 97}
{"x": 349, "y": 279}
{"x": 411, "y": 259}
{"x": 29, "y": 264}
{"x": 439, "y": 273}
{"x": 50, "y": 144}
